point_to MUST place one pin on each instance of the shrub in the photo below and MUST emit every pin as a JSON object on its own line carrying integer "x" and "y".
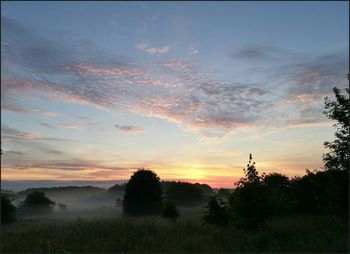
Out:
{"x": 170, "y": 211}
{"x": 250, "y": 205}
{"x": 184, "y": 194}
{"x": 216, "y": 212}
{"x": 37, "y": 202}
{"x": 8, "y": 210}
{"x": 143, "y": 194}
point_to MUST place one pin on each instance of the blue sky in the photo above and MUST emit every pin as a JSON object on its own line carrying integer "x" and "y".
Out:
{"x": 93, "y": 90}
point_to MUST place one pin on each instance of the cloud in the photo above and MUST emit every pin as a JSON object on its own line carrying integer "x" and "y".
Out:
{"x": 47, "y": 125}
{"x": 175, "y": 90}
{"x": 152, "y": 50}
{"x": 11, "y": 133}
{"x": 14, "y": 152}
{"x": 68, "y": 126}
{"x": 129, "y": 129}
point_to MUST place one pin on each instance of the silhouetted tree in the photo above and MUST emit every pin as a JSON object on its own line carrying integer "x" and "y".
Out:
{"x": 277, "y": 186}
{"x": 251, "y": 174}
{"x": 338, "y": 156}
{"x": 8, "y": 210}
{"x": 249, "y": 203}
{"x": 185, "y": 194}
{"x": 321, "y": 193}
{"x": 216, "y": 212}
{"x": 224, "y": 193}
{"x": 143, "y": 194}
{"x": 36, "y": 202}
{"x": 169, "y": 211}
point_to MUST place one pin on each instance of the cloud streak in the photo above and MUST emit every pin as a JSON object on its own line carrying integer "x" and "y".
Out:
{"x": 129, "y": 129}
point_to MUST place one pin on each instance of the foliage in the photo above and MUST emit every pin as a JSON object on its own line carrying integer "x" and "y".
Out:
{"x": 8, "y": 210}
{"x": 216, "y": 212}
{"x": 169, "y": 211}
{"x": 326, "y": 234}
{"x": 143, "y": 194}
{"x": 36, "y": 203}
{"x": 250, "y": 205}
{"x": 223, "y": 193}
{"x": 184, "y": 194}
{"x": 321, "y": 193}
{"x": 38, "y": 198}
{"x": 338, "y": 156}
{"x": 251, "y": 174}
{"x": 277, "y": 188}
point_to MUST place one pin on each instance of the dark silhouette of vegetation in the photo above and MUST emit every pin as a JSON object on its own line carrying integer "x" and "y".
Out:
{"x": 169, "y": 211}
{"x": 38, "y": 198}
{"x": 277, "y": 188}
{"x": 185, "y": 194}
{"x": 36, "y": 203}
{"x": 338, "y": 156}
{"x": 143, "y": 194}
{"x": 249, "y": 204}
{"x": 320, "y": 193}
{"x": 224, "y": 193}
{"x": 8, "y": 210}
{"x": 216, "y": 212}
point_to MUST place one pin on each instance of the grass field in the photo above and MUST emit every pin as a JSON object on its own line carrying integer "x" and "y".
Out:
{"x": 188, "y": 234}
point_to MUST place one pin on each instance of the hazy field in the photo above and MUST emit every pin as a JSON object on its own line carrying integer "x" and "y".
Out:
{"x": 106, "y": 230}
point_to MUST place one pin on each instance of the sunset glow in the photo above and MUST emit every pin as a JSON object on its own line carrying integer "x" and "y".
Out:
{"x": 93, "y": 91}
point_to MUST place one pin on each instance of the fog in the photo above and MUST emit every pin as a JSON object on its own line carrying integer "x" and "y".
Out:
{"x": 74, "y": 204}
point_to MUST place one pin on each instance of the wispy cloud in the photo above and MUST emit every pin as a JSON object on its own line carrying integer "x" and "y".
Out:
{"x": 68, "y": 126}
{"x": 129, "y": 129}
{"x": 152, "y": 50}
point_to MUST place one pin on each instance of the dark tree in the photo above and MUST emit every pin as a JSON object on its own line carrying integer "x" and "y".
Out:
{"x": 169, "y": 211}
{"x": 38, "y": 198}
{"x": 36, "y": 203}
{"x": 338, "y": 156}
{"x": 224, "y": 193}
{"x": 8, "y": 210}
{"x": 251, "y": 174}
{"x": 277, "y": 187}
{"x": 249, "y": 202}
{"x": 185, "y": 194}
{"x": 143, "y": 194}
{"x": 216, "y": 212}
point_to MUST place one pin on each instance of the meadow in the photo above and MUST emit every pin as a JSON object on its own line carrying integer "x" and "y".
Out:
{"x": 109, "y": 231}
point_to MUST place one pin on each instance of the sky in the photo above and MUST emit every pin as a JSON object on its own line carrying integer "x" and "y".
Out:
{"x": 91, "y": 91}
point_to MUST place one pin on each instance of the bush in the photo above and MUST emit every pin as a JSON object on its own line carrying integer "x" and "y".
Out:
{"x": 321, "y": 193}
{"x": 143, "y": 194}
{"x": 216, "y": 213}
{"x": 277, "y": 186}
{"x": 250, "y": 205}
{"x": 170, "y": 211}
{"x": 184, "y": 194}
{"x": 37, "y": 203}
{"x": 8, "y": 210}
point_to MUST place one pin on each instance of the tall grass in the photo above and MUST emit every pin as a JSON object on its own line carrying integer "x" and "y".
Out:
{"x": 188, "y": 234}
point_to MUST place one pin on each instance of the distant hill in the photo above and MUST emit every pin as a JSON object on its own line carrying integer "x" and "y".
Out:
{"x": 117, "y": 188}
{"x": 62, "y": 189}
